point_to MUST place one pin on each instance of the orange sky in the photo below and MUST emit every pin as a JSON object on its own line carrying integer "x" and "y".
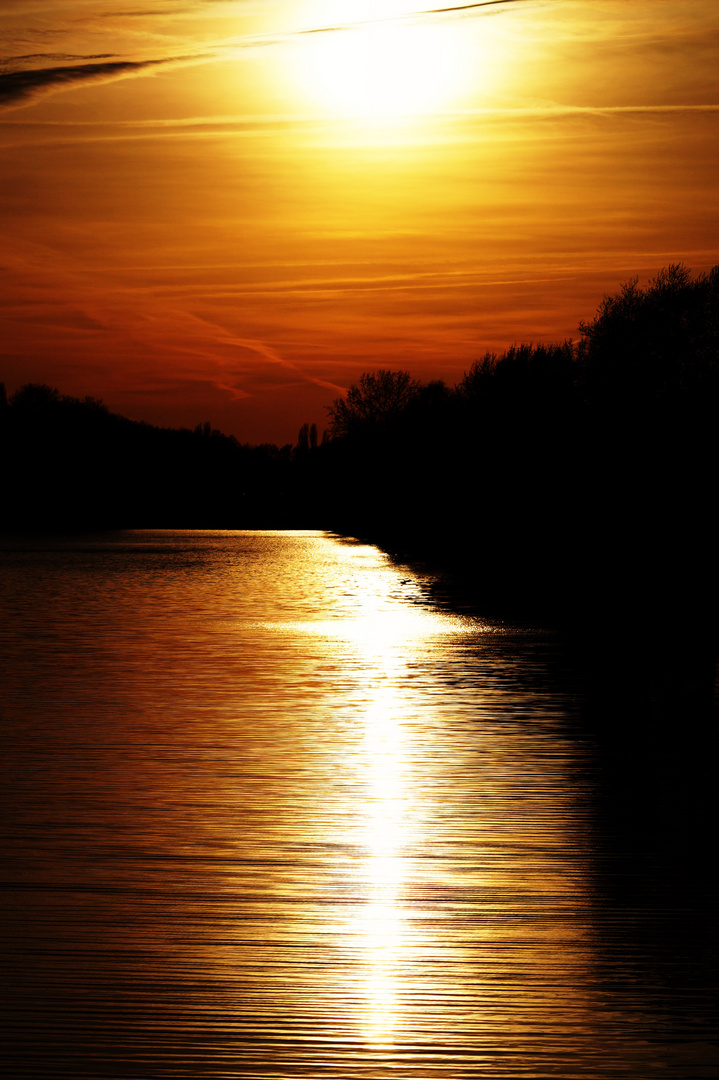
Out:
{"x": 210, "y": 213}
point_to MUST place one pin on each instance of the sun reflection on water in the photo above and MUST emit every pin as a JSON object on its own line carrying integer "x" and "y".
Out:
{"x": 384, "y": 627}
{"x": 354, "y": 841}
{"x": 385, "y": 838}
{"x": 385, "y": 637}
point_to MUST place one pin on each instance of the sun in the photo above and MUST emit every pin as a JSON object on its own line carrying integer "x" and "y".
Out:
{"x": 372, "y": 60}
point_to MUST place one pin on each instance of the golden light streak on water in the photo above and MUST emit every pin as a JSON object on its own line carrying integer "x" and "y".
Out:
{"x": 274, "y": 813}
{"x": 384, "y": 637}
{"x": 382, "y": 920}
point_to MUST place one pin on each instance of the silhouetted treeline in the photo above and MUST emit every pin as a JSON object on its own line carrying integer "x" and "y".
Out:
{"x": 560, "y": 476}
{"x": 554, "y": 477}
{"x": 70, "y": 463}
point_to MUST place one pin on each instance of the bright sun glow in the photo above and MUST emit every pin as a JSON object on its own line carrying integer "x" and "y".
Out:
{"x": 379, "y": 65}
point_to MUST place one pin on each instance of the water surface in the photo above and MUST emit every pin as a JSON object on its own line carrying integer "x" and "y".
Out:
{"x": 272, "y": 810}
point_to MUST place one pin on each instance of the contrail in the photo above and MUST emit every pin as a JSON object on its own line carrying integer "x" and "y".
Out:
{"x": 425, "y": 13}
{"x": 469, "y": 7}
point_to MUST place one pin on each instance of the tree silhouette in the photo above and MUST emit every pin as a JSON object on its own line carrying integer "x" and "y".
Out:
{"x": 653, "y": 344}
{"x": 373, "y": 403}
{"x": 649, "y": 377}
{"x": 303, "y": 439}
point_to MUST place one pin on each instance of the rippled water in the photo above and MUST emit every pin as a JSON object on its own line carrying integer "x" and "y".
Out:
{"x": 274, "y": 811}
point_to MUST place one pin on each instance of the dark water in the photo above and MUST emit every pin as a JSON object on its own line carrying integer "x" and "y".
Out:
{"x": 273, "y": 810}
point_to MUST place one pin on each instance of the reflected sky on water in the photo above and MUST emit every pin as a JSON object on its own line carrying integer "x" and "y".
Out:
{"x": 275, "y": 811}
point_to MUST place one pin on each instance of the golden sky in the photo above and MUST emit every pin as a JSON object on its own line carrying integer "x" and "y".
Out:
{"x": 229, "y": 209}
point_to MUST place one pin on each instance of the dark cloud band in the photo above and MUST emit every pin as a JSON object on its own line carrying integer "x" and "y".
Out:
{"x": 18, "y": 86}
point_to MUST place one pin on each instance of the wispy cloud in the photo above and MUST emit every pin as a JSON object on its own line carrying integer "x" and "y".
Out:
{"x": 411, "y": 16}
{"x": 20, "y": 86}
{"x": 70, "y": 132}
{"x": 471, "y": 7}
{"x": 12, "y": 63}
